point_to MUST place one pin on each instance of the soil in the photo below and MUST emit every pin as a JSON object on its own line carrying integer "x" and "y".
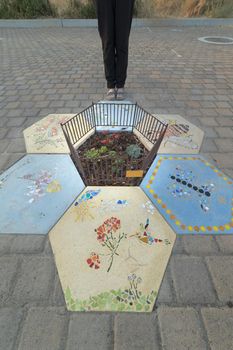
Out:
{"x": 105, "y": 160}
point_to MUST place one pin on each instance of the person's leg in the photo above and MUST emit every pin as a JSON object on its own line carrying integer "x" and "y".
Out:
{"x": 106, "y": 26}
{"x": 123, "y": 20}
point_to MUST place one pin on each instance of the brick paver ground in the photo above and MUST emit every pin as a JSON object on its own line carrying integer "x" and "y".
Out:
{"x": 59, "y": 70}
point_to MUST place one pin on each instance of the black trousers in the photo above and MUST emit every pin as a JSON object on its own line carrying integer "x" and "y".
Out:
{"x": 114, "y": 24}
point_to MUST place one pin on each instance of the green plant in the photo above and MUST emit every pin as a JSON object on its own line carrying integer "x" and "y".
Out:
{"x": 88, "y": 10}
{"x": 112, "y": 154}
{"x": 116, "y": 168}
{"x": 25, "y": 8}
{"x": 223, "y": 11}
{"x": 77, "y": 9}
{"x": 103, "y": 150}
{"x": 92, "y": 153}
{"x": 134, "y": 151}
{"x": 95, "y": 153}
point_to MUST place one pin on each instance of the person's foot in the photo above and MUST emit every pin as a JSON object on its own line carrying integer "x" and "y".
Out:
{"x": 111, "y": 95}
{"x": 120, "y": 94}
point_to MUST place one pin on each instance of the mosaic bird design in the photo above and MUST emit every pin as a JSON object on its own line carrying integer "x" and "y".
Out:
{"x": 145, "y": 236}
{"x": 185, "y": 184}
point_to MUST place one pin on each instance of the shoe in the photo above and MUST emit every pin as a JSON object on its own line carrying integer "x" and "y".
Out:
{"x": 111, "y": 95}
{"x": 120, "y": 94}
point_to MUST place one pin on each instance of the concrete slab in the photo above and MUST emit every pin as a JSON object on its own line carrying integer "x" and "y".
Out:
{"x": 111, "y": 249}
{"x": 191, "y": 194}
{"x": 36, "y": 191}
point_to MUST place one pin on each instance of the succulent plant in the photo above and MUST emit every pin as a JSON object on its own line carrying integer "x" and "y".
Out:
{"x": 134, "y": 151}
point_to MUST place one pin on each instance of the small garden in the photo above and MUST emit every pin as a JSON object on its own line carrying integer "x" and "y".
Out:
{"x": 106, "y": 157}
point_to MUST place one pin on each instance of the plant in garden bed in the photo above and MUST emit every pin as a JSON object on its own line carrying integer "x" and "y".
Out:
{"x": 95, "y": 153}
{"x": 134, "y": 151}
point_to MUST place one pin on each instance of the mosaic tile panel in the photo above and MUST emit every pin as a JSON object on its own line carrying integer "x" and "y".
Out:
{"x": 35, "y": 192}
{"x": 181, "y": 136}
{"x": 192, "y": 195}
{"x": 111, "y": 249}
{"x": 46, "y": 135}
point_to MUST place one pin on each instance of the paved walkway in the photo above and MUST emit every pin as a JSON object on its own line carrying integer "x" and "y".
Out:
{"x": 59, "y": 70}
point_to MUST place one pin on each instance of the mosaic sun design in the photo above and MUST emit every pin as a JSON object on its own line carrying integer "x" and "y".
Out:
{"x": 84, "y": 206}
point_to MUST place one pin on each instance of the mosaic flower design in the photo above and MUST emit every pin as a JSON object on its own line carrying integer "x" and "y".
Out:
{"x": 145, "y": 236}
{"x": 41, "y": 184}
{"x": 127, "y": 299}
{"x": 47, "y": 133}
{"x": 109, "y": 237}
{"x": 94, "y": 261}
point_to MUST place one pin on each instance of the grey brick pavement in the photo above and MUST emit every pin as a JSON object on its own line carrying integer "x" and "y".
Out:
{"x": 59, "y": 70}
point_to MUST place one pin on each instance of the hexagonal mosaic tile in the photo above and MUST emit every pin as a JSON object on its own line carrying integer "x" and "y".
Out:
{"x": 36, "y": 191}
{"x": 46, "y": 136}
{"x": 191, "y": 194}
{"x": 181, "y": 136}
{"x": 111, "y": 249}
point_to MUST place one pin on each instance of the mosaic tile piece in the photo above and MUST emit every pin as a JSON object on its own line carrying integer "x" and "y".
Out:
{"x": 192, "y": 195}
{"x": 36, "y": 191}
{"x": 181, "y": 136}
{"x": 111, "y": 250}
{"x": 46, "y": 135}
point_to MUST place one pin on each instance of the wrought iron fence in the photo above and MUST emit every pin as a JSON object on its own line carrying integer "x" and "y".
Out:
{"x": 113, "y": 117}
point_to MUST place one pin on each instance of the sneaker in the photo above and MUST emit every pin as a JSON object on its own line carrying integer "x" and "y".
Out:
{"x": 120, "y": 94}
{"x": 111, "y": 95}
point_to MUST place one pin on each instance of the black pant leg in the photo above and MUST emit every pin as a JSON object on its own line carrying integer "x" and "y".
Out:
{"x": 123, "y": 20}
{"x": 106, "y": 26}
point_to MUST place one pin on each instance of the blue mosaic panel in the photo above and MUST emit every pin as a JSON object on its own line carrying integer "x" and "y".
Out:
{"x": 191, "y": 194}
{"x": 36, "y": 191}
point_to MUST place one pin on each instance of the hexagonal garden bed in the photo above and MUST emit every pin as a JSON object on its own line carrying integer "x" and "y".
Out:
{"x": 112, "y": 244}
{"x": 110, "y": 148}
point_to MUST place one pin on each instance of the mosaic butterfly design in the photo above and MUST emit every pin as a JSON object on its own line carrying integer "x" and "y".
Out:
{"x": 184, "y": 184}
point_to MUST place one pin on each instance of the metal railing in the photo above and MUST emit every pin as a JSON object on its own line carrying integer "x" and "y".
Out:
{"x": 113, "y": 117}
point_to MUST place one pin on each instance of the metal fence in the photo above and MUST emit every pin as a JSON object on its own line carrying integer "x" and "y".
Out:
{"x": 112, "y": 117}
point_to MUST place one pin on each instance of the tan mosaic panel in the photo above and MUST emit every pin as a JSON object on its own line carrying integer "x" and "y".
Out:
{"x": 182, "y": 137}
{"x": 46, "y": 135}
{"x": 111, "y": 249}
